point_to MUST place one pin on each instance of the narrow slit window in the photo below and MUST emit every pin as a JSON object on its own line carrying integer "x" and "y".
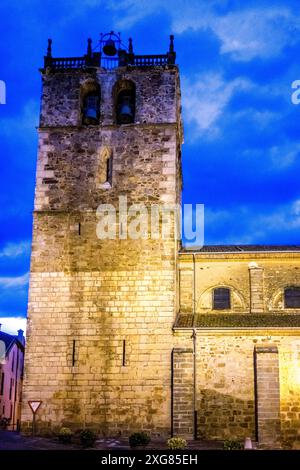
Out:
{"x": 109, "y": 169}
{"x": 73, "y": 353}
{"x": 221, "y": 298}
{"x": 124, "y": 353}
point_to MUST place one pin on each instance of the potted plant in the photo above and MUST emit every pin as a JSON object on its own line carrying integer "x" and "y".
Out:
{"x": 232, "y": 445}
{"x": 139, "y": 439}
{"x": 87, "y": 438}
{"x": 65, "y": 435}
{"x": 176, "y": 443}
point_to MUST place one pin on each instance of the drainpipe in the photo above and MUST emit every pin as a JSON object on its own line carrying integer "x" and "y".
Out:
{"x": 172, "y": 393}
{"x": 194, "y": 337}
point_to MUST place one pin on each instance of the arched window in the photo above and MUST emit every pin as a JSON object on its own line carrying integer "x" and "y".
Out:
{"x": 221, "y": 298}
{"x": 105, "y": 167}
{"x": 292, "y": 297}
{"x": 109, "y": 169}
{"x": 124, "y": 98}
{"x": 90, "y": 103}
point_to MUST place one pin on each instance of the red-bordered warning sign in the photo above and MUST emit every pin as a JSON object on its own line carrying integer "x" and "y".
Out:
{"x": 34, "y": 405}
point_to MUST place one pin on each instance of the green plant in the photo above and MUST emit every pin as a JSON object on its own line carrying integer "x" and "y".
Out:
{"x": 232, "y": 445}
{"x": 139, "y": 439}
{"x": 87, "y": 438}
{"x": 65, "y": 435}
{"x": 176, "y": 443}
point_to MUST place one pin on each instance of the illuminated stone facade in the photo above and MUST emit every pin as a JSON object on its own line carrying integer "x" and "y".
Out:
{"x": 122, "y": 334}
{"x": 247, "y": 356}
{"x": 101, "y": 312}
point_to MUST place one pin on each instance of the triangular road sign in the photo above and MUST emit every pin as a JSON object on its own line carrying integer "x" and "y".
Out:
{"x": 34, "y": 405}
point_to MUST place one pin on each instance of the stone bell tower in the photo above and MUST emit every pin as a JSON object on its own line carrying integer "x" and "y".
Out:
{"x": 101, "y": 310}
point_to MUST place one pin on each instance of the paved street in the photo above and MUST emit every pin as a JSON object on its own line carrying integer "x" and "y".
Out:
{"x": 10, "y": 440}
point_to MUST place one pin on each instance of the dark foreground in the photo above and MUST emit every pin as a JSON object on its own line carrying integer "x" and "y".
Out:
{"x": 10, "y": 440}
{"x": 116, "y": 452}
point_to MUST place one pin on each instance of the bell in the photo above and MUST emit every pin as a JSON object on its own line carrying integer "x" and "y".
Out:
{"x": 91, "y": 110}
{"x": 109, "y": 48}
{"x": 90, "y": 115}
{"x": 125, "y": 113}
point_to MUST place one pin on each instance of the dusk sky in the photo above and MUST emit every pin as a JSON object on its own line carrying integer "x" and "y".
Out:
{"x": 241, "y": 156}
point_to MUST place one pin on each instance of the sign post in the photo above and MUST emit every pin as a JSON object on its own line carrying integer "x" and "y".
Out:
{"x": 34, "y": 406}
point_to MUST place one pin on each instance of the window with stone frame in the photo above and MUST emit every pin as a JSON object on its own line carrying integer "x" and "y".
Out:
{"x": 109, "y": 169}
{"x": 221, "y": 298}
{"x": 292, "y": 297}
{"x": 105, "y": 167}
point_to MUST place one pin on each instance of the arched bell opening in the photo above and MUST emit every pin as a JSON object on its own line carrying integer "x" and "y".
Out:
{"x": 90, "y": 104}
{"x": 124, "y": 94}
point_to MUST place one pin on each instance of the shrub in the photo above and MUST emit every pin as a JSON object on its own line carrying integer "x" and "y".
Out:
{"x": 232, "y": 445}
{"x": 139, "y": 439}
{"x": 87, "y": 438}
{"x": 65, "y": 435}
{"x": 176, "y": 443}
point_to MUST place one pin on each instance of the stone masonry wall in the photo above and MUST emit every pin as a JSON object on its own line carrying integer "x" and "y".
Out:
{"x": 267, "y": 395}
{"x": 99, "y": 311}
{"x": 256, "y": 289}
{"x": 109, "y": 296}
{"x": 226, "y": 382}
{"x": 183, "y": 386}
{"x": 256, "y": 280}
{"x": 157, "y": 91}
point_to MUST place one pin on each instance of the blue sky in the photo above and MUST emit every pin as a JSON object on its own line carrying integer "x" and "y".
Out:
{"x": 242, "y": 132}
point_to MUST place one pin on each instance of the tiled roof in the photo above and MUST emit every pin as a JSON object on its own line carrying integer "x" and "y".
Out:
{"x": 9, "y": 340}
{"x": 241, "y": 248}
{"x": 6, "y": 338}
{"x": 212, "y": 320}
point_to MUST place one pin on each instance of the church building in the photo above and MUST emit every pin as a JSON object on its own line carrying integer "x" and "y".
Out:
{"x": 142, "y": 334}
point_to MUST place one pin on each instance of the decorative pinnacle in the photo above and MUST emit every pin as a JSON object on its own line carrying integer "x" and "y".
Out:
{"x": 171, "y": 48}
{"x": 89, "y": 48}
{"x": 49, "y": 48}
{"x": 130, "y": 47}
